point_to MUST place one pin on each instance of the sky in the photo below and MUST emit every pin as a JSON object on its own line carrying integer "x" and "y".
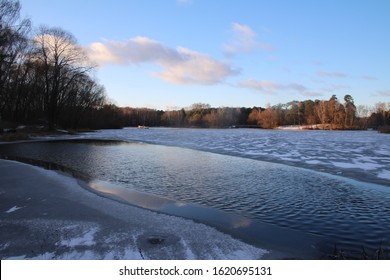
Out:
{"x": 167, "y": 54}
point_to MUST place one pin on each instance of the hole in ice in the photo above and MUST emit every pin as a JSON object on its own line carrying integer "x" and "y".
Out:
{"x": 152, "y": 240}
{"x": 155, "y": 240}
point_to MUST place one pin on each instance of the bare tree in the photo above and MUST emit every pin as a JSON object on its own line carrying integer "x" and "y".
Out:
{"x": 321, "y": 109}
{"x": 63, "y": 62}
{"x": 267, "y": 118}
{"x": 82, "y": 97}
{"x": 13, "y": 41}
{"x": 174, "y": 117}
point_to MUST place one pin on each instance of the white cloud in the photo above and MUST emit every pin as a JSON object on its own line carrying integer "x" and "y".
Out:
{"x": 331, "y": 74}
{"x": 334, "y": 87}
{"x": 99, "y": 53}
{"x": 268, "y": 87}
{"x": 179, "y": 66}
{"x": 253, "y": 84}
{"x": 311, "y": 93}
{"x": 195, "y": 68}
{"x": 297, "y": 87}
{"x": 368, "y": 77}
{"x": 263, "y": 86}
{"x": 244, "y": 41}
{"x": 385, "y": 93}
{"x": 318, "y": 62}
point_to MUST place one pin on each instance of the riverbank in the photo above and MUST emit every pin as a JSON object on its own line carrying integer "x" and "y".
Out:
{"x": 22, "y": 132}
{"x": 47, "y": 215}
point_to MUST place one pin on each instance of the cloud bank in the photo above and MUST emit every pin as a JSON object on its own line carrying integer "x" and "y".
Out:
{"x": 179, "y": 65}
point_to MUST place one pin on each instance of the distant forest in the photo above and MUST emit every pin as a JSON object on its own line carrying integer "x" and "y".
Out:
{"x": 47, "y": 80}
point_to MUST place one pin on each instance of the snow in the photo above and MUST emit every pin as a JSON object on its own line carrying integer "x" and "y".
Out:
{"x": 385, "y": 174}
{"x": 189, "y": 254}
{"x": 358, "y": 165}
{"x": 313, "y": 161}
{"x": 86, "y": 239}
{"x": 334, "y": 150}
{"x": 114, "y": 231}
{"x": 361, "y": 155}
{"x": 13, "y": 209}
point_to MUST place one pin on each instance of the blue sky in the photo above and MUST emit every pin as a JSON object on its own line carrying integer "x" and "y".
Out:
{"x": 166, "y": 53}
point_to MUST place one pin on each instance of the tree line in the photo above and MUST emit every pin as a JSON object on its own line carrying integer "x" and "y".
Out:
{"x": 323, "y": 114}
{"x": 46, "y": 78}
{"x": 317, "y": 114}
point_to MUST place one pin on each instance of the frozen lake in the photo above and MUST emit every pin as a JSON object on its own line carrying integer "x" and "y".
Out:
{"x": 332, "y": 184}
{"x": 363, "y": 155}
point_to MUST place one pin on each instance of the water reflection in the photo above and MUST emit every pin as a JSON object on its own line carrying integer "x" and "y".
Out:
{"x": 130, "y": 196}
{"x": 170, "y": 206}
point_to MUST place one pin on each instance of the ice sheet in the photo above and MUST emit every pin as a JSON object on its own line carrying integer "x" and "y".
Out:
{"x": 334, "y": 150}
{"x": 13, "y": 209}
{"x": 81, "y": 225}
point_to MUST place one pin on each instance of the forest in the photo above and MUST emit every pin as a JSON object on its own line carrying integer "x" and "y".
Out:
{"x": 47, "y": 80}
{"x": 318, "y": 114}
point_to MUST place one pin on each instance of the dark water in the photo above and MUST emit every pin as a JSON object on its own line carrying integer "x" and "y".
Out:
{"x": 352, "y": 214}
{"x": 361, "y": 155}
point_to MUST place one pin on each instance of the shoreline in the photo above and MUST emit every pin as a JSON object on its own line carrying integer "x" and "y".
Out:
{"x": 47, "y": 215}
{"x": 294, "y": 244}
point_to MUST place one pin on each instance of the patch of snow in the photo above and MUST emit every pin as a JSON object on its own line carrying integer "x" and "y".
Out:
{"x": 125, "y": 254}
{"x": 83, "y": 255}
{"x": 357, "y": 165}
{"x": 22, "y": 257}
{"x": 4, "y": 246}
{"x": 367, "y": 163}
{"x": 189, "y": 254}
{"x": 87, "y": 239}
{"x": 129, "y": 254}
{"x": 384, "y": 174}
{"x": 383, "y": 152}
{"x": 313, "y": 162}
{"x": 344, "y": 164}
{"x": 13, "y": 209}
{"x": 289, "y": 159}
{"x": 239, "y": 255}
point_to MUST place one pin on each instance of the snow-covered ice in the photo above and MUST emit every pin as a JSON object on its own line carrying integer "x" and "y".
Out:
{"x": 13, "y": 209}
{"x": 362, "y": 156}
{"x": 82, "y": 225}
{"x": 329, "y": 151}
{"x": 385, "y": 174}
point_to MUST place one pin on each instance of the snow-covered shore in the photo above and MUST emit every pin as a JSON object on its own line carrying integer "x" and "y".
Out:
{"x": 47, "y": 215}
